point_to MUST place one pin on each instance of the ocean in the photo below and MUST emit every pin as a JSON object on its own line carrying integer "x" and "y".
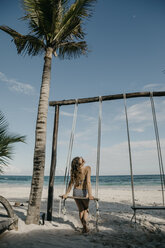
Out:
{"x": 123, "y": 180}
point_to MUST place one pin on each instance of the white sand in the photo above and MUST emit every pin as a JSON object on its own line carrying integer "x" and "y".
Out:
{"x": 115, "y": 227}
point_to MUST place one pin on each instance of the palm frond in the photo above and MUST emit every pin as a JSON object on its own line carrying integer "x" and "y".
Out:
{"x": 25, "y": 44}
{"x": 44, "y": 16}
{"x": 6, "y": 147}
{"x": 73, "y": 17}
{"x": 80, "y": 8}
{"x": 58, "y": 11}
{"x": 6, "y": 142}
{"x": 3, "y": 125}
{"x": 70, "y": 50}
{"x": 36, "y": 11}
{"x": 71, "y": 32}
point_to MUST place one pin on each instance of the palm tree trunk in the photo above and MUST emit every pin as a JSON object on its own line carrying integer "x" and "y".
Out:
{"x": 33, "y": 213}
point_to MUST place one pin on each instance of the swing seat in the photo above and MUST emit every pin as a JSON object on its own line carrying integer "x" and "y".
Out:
{"x": 80, "y": 198}
{"x": 148, "y": 208}
{"x": 135, "y": 208}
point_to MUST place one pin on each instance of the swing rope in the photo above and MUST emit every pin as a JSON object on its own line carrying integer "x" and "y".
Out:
{"x": 162, "y": 177}
{"x": 98, "y": 147}
{"x": 68, "y": 161}
{"x": 129, "y": 149}
{"x": 98, "y": 161}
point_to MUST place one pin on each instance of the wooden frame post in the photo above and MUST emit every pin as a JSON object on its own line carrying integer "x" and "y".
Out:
{"x": 53, "y": 164}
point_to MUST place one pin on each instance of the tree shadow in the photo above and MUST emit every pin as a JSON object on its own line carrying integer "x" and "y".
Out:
{"x": 62, "y": 220}
{"x": 20, "y": 214}
{"x": 115, "y": 228}
{"x": 119, "y": 213}
{"x": 116, "y": 233}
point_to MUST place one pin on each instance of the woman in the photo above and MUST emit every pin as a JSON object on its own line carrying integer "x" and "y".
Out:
{"x": 81, "y": 180}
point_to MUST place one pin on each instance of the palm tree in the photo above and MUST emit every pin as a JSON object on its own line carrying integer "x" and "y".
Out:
{"x": 6, "y": 142}
{"x": 55, "y": 29}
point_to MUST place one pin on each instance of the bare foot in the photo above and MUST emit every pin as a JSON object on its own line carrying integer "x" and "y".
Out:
{"x": 85, "y": 229}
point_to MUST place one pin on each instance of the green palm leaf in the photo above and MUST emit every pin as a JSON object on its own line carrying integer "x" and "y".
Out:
{"x": 6, "y": 142}
{"x": 72, "y": 19}
{"x": 44, "y": 17}
{"x": 72, "y": 49}
{"x": 25, "y": 43}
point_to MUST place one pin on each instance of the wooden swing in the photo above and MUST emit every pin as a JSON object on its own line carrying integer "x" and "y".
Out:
{"x": 161, "y": 169}
{"x": 57, "y": 105}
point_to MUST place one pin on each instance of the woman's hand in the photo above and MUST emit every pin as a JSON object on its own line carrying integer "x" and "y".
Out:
{"x": 64, "y": 196}
{"x": 91, "y": 197}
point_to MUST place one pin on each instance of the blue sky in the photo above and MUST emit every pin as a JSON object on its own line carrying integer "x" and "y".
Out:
{"x": 127, "y": 43}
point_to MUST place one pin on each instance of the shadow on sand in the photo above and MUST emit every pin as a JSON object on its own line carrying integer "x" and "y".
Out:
{"x": 116, "y": 229}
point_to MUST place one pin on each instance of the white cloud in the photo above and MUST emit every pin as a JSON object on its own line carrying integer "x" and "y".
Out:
{"x": 80, "y": 137}
{"x": 66, "y": 114}
{"x": 140, "y": 115}
{"x": 16, "y": 85}
{"x": 115, "y": 158}
{"x": 137, "y": 113}
{"x": 84, "y": 117}
{"x": 152, "y": 87}
{"x": 11, "y": 170}
{"x": 138, "y": 130}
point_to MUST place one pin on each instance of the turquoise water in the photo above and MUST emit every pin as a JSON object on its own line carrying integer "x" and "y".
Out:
{"x": 123, "y": 180}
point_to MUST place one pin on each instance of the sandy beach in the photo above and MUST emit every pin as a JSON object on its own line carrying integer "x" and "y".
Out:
{"x": 115, "y": 227}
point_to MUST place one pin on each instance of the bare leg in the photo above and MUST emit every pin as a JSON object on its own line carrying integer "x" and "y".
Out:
{"x": 85, "y": 216}
{"x": 86, "y": 212}
{"x": 81, "y": 209}
{"x": 85, "y": 221}
{"x": 83, "y": 213}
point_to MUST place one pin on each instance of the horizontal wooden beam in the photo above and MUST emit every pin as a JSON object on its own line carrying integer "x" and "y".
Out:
{"x": 106, "y": 98}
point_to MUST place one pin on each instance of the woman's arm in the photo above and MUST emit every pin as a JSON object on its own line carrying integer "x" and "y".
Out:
{"x": 68, "y": 189}
{"x": 89, "y": 188}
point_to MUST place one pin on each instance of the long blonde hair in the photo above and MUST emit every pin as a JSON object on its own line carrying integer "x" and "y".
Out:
{"x": 76, "y": 174}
